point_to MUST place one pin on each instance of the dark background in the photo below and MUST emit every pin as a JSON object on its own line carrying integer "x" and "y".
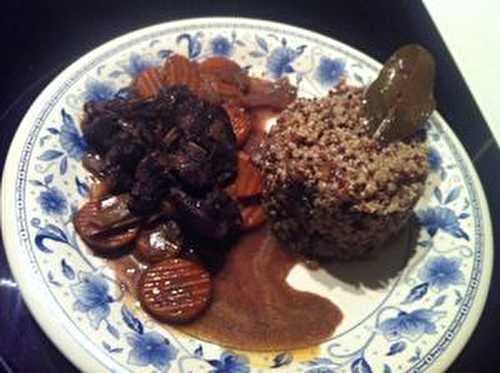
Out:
{"x": 39, "y": 39}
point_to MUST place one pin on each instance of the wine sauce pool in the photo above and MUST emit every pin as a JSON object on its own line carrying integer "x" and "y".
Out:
{"x": 253, "y": 306}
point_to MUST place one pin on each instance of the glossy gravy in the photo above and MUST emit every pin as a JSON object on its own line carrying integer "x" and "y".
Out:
{"x": 253, "y": 306}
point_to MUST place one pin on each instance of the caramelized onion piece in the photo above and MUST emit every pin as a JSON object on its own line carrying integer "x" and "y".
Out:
{"x": 162, "y": 241}
{"x": 98, "y": 190}
{"x": 277, "y": 94}
{"x": 112, "y": 211}
{"x": 226, "y": 71}
{"x": 109, "y": 240}
{"x": 401, "y": 99}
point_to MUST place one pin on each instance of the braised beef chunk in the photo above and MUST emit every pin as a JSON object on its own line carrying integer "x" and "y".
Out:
{"x": 210, "y": 253}
{"x": 193, "y": 170}
{"x": 94, "y": 163}
{"x": 224, "y": 155}
{"x": 208, "y": 127}
{"x": 100, "y": 130}
{"x": 121, "y": 160}
{"x": 215, "y": 216}
{"x": 151, "y": 184}
{"x": 146, "y": 147}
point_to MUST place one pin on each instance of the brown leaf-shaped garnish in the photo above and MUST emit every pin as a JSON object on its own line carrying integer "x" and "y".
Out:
{"x": 401, "y": 99}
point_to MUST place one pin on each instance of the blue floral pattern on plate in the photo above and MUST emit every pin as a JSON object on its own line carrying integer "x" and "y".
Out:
{"x": 329, "y": 71}
{"x": 98, "y": 91}
{"x": 398, "y": 332}
{"x": 441, "y": 218}
{"x": 92, "y": 298}
{"x": 151, "y": 349}
{"x": 442, "y": 272}
{"x": 70, "y": 138}
{"x": 434, "y": 159}
{"x": 221, "y": 46}
{"x": 410, "y": 325}
{"x": 280, "y": 59}
{"x": 52, "y": 201}
{"x": 230, "y": 363}
{"x": 137, "y": 64}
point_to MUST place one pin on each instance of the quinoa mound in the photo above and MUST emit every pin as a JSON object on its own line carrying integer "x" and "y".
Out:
{"x": 330, "y": 189}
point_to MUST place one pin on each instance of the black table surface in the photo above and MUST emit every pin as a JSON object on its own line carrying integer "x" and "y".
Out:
{"x": 40, "y": 38}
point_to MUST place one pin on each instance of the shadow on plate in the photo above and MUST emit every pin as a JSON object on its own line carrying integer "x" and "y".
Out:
{"x": 375, "y": 270}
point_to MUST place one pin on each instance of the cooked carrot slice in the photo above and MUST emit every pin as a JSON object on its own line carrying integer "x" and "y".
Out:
{"x": 215, "y": 65}
{"x": 148, "y": 83}
{"x": 209, "y": 82}
{"x": 252, "y": 216}
{"x": 207, "y": 90}
{"x": 175, "y": 290}
{"x": 240, "y": 121}
{"x": 179, "y": 70}
{"x": 248, "y": 183}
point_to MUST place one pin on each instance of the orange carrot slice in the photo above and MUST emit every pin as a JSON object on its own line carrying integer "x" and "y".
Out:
{"x": 240, "y": 121}
{"x": 148, "y": 83}
{"x": 178, "y": 70}
{"x": 252, "y": 216}
{"x": 248, "y": 183}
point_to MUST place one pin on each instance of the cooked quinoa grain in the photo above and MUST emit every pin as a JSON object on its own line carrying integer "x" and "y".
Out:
{"x": 330, "y": 189}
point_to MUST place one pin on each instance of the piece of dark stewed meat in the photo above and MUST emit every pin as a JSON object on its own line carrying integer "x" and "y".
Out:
{"x": 152, "y": 180}
{"x": 121, "y": 161}
{"x": 211, "y": 254}
{"x": 209, "y": 127}
{"x": 192, "y": 168}
{"x": 224, "y": 151}
{"x": 100, "y": 129}
{"x": 173, "y": 140}
{"x": 216, "y": 216}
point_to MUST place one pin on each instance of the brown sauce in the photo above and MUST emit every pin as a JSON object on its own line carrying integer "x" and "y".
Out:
{"x": 253, "y": 307}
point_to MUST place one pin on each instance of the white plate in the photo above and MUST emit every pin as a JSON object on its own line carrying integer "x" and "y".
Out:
{"x": 412, "y": 308}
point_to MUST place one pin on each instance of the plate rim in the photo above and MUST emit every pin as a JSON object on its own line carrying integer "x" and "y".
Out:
{"x": 85, "y": 360}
